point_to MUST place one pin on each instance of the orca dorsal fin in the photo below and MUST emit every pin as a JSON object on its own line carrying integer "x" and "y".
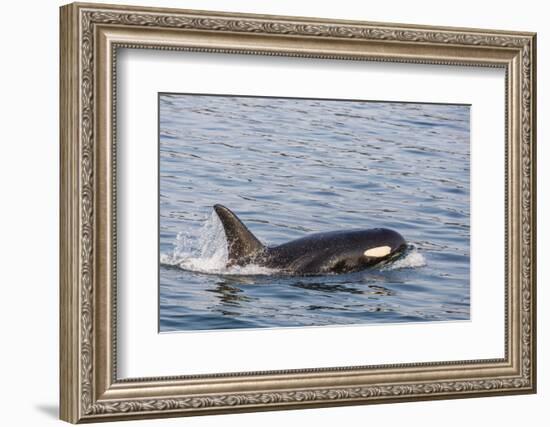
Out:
{"x": 241, "y": 243}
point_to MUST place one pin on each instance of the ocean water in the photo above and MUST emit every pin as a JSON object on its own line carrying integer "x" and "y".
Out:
{"x": 290, "y": 167}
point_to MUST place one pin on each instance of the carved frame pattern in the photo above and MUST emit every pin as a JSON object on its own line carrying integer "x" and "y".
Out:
{"x": 80, "y": 22}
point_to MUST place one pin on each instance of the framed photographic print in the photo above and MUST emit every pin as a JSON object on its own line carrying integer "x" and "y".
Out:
{"x": 266, "y": 212}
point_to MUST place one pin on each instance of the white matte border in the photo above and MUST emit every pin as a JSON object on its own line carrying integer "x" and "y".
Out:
{"x": 143, "y": 352}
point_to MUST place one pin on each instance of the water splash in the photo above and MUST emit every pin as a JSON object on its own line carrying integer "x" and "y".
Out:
{"x": 412, "y": 259}
{"x": 206, "y": 252}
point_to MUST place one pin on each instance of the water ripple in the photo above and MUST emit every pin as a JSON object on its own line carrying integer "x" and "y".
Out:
{"x": 290, "y": 167}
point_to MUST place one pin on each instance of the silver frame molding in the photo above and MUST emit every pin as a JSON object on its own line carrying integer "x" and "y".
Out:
{"x": 90, "y": 37}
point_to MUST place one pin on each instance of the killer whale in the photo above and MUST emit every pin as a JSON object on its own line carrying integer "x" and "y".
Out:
{"x": 321, "y": 253}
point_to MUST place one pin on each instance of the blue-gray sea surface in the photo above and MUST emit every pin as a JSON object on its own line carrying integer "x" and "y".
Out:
{"x": 290, "y": 167}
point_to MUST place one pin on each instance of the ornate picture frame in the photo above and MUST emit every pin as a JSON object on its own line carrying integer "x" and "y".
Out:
{"x": 90, "y": 37}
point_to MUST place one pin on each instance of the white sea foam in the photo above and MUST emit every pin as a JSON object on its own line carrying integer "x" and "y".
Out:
{"x": 206, "y": 252}
{"x": 412, "y": 259}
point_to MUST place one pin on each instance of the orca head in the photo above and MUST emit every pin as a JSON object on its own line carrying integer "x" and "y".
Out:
{"x": 381, "y": 244}
{"x": 362, "y": 249}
